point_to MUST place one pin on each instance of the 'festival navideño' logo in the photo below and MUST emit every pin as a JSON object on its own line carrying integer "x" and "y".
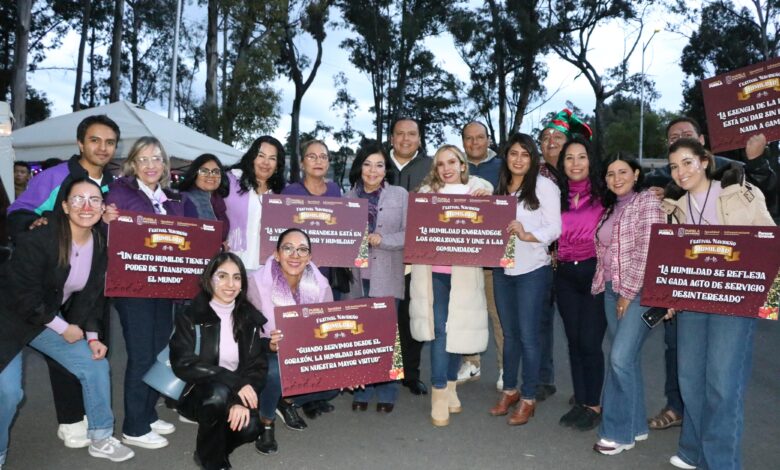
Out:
{"x": 727, "y": 252}
{"x": 472, "y": 215}
{"x": 770, "y": 83}
{"x": 318, "y": 215}
{"x": 167, "y": 239}
{"x": 352, "y": 326}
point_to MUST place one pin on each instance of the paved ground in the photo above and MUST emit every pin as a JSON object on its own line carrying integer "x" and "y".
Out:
{"x": 406, "y": 439}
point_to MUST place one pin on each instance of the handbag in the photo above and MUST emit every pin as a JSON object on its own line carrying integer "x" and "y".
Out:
{"x": 161, "y": 377}
{"x": 340, "y": 279}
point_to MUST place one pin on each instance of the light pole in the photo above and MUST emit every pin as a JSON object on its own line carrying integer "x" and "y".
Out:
{"x": 642, "y": 97}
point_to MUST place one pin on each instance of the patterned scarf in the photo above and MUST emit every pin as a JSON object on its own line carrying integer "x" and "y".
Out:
{"x": 373, "y": 203}
{"x": 308, "y": 289}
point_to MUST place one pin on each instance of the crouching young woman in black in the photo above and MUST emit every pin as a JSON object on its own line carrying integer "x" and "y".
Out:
{"x": 225, "y": 378}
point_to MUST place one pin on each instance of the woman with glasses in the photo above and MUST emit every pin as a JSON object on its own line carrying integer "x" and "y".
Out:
{"x": 206, "y": 184}
{"x": 288, "y": 277}
{"x": 225, "y": 377}
{"x": 146, "y": 323}
{"x": 315, "y": 162}
{"x": 52, "y": 291}
{"x": 260, "y": 171}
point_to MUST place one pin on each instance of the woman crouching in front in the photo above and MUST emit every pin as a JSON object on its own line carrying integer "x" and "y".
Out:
{"x": 225, "y": 377}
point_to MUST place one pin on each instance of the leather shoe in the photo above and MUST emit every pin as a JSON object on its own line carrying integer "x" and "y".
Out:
{"x": 522, "y": 413}
{"x": 545, "y": 391}
{"x": 415, "y": 386}
{"x": 507, "y": 401}
{"x": 266, "y": 443}
{"x": 386, "y": 407}
{"x": 359, "y": 406}
{"x": 311, "y": 410}
{"x": 289, "y": 415}
{"x": 324, "y": 406}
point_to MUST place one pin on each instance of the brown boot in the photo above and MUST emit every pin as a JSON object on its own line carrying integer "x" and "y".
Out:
{"x": 522, "y": 413}
{"x": 507, "y": 401}
{"x": 440, "y": 414}
{"x": 453, "y": 402}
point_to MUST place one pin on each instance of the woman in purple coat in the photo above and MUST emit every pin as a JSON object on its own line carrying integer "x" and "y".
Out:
{"x": 315, "y": 162}
{"x": 146, "y": 323}
{"x": 205, "y": 184}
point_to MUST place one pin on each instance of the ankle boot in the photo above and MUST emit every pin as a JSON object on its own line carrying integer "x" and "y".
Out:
{"x": 453, "y": 401}
{"x": 266, "y": 443}
{"x": 440, "y": 414}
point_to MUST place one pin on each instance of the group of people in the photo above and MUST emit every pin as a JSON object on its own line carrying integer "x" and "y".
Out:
{"x": 581, "y": 230}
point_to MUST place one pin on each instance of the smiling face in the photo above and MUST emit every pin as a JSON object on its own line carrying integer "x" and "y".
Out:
{"x": 265, "y": 162}
{"x": 98, "y": 147}
{"x": 226, "y": 282}
{"x": 315, "y": 161}
{"x": 149, "y": 166}
{"x": 683, "y": 130}
{"x": 209, "y": 176}
{"x": 552, "y": 143}
{"x": 575, "y": 162}
{"x": 405, "y": 139}
{"x": 518, "y": 160}
{"x": 293, "y": 255}
{"x": 449, "y": 167}
{"x": 475, "y": 142}
{"x": 621, "y": 178}
{"x": 373, "y": 171}
{"x": 83, "y": 205}
{"x": 688, "y": 170}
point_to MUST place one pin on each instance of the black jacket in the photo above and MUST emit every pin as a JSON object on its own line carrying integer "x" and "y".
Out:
{"x": 31, "y": 289}
{"x": 204, "y": 367}
{"x": 412, "y": 174}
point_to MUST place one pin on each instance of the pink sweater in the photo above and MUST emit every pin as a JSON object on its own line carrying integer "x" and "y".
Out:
{"x": 578, "y": 224}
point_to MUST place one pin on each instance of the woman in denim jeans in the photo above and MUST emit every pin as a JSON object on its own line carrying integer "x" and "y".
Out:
{"x": 714, "y": 351}
{"x": 622, "y": 240}
{"x": 520, "y": 290}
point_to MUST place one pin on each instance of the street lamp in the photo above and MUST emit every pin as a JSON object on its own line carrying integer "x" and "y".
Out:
{"x": 642, "y": 97}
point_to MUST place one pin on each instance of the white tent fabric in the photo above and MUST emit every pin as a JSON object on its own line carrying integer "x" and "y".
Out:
{"x": 56, "y": 137}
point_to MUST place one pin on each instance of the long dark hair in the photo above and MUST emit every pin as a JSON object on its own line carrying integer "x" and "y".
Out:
{"x": 239, "y": 321}
{"x": 188, "y": 181}
{"x": 594, "y": 172}
{"x": 64, "y": 236}
{"x": 610, "y": 199}
{"x": 247, "y": 166}
{"x": 367, "y": 148}
{"x": 527, "y": 193}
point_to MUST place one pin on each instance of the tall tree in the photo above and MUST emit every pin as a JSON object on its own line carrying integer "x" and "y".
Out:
{"x": 19, "y": 94}
{"x": 116, "y": 52}
{"x": 85, "y": 19}
{"x": 210, "y": 106}
{"x": 309, "y": 17}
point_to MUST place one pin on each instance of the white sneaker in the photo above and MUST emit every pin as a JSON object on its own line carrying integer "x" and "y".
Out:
{"x": 468, "y": 372}
{"x": 500, "y": 381}
{"x": 641, "y": 437}
{"x": 74, "y": 435}
{"x": 679, "y": 463}
{"x": 150, "y": 440}
{"x": 162, "y": 427}
{"x": 607, "y": 447}
{"x": 110, "y": 448}
{"x": 182, "y": 419}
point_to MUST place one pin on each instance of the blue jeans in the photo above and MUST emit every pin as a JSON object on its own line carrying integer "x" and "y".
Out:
{"x": 11, "y": 395}
{"x": 520, "y": 303}
{"x": 623, "y": 415}
{"x": 714, "y": 360}
{"x": 671, "y": 385}
{"x": 272, "y": 392}
{"x": 444, "y": 365}
{"x": 146, "y": 326}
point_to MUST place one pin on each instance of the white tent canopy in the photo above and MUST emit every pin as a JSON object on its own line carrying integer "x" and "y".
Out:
{"x": 56, "y": 137}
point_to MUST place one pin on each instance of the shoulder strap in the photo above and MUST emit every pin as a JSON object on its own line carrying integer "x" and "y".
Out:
{"x": 197, "y": 340}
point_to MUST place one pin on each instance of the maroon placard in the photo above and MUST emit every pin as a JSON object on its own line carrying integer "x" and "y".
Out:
{"x": 459, "y": 230}
{"x": 338, "y": 344}
{"x": 159, "y": 256}
{"x": 336, "y": 226}
{"x": 743, "y": 103}
{"x": 725, "y": 269}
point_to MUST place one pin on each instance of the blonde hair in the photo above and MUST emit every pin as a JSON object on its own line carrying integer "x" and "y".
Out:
{"x": 128, "y": 168}
{"x": 433, "y": 181}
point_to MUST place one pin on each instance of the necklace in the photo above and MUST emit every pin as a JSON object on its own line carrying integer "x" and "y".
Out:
{"x": 696, "y": 206}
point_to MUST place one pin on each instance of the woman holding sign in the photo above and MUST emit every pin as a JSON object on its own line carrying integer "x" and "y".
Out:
{"x": 448, "y": 305}
{"x": 288, "y": 277}
{"x": 206, "y": 184}
{"x": 315, "y": 162}
{"x": 225, "y": 377}
{"x": 622, "y": 241}
{"x": 714, "y": 351}
{"x": 146, "y": 323}
{"x": 52, "y": 291}
{"x": 384, "y": 276}
{"x": 520, "y": 290}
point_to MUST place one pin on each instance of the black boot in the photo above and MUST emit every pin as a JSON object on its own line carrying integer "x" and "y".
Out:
{"x": 290, "y": 416}
{"x": 266, "y": 443}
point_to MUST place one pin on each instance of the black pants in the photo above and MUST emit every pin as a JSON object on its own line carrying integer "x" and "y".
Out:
{"x": 208, "y": 404}
{"x": 585, "y": 323}
{"x": 410, "y": 347}
{"x": 66, "y": 391}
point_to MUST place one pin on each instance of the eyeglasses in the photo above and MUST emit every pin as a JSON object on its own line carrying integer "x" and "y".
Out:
{"x": 206, "y": 172}
{"x": 301, "y": 251}
{"x": 313, "y": 157}
{"x": 81, "y": 200}
{"x": 149, "y": 161}
{"x": 221, "y": 277}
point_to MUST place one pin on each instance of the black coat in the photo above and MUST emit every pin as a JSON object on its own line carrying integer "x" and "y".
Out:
{"x": 31, "y": 289}
{"x": 204, "y": 367}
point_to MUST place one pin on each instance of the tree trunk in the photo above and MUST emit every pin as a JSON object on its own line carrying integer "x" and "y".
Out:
{"x": 134, "y": 59}
{"x": 92, "y": 84}
{"x": 82, "y": 49}
{"x": 212, "y": 58}
{"x": 19, "y": 90}
{"x": 295, "y": 137}
{"x": 224, "y": 67}
{"x": 498, "y": 50}
{"x": 598, "y": 112}
{"x": 116, "y": 52}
